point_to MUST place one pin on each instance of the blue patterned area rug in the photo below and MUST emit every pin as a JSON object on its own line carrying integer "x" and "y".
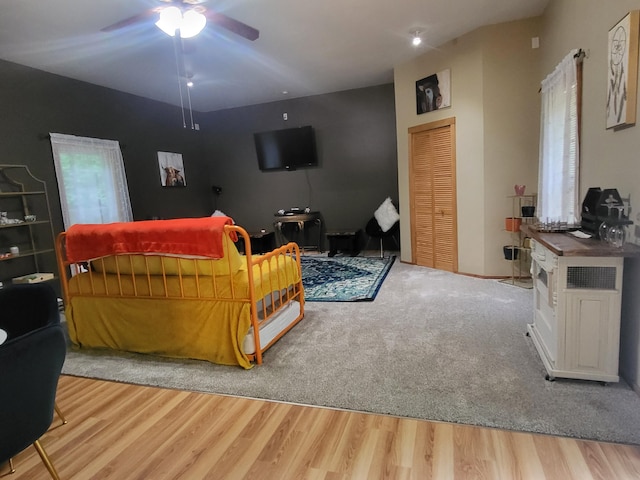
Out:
{"x": 343, "y": 279}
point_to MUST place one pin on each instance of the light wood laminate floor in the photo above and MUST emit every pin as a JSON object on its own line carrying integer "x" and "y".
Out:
{"x": 120, "y": 431}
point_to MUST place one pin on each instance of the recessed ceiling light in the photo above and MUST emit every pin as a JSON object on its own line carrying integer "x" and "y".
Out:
{"x": 285, "y": 92}
{"x": 416, "y": 39}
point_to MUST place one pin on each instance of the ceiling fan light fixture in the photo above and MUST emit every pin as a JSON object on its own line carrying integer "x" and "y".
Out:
{"x": 190, "y": 24}
{"x": 170, "y": 20}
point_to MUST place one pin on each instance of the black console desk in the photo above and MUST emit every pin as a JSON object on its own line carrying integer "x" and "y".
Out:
{"x": 299, "y": 220}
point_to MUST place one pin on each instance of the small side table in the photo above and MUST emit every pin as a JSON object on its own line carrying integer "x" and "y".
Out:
{"x": 346, "y": 242}
{"x": 261, "y": 242}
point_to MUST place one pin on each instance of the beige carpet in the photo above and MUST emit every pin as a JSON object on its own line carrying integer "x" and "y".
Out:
{"x": 432, "y": 345}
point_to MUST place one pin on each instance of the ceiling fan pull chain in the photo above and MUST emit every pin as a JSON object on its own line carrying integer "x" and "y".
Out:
{"x": 176, "y": 39}
{"x": 190, "y": 109}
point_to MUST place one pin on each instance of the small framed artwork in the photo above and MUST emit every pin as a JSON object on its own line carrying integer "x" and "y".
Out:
{"x": 171, "y": 169}
{"x": 433, "y": 92}
{"x": 622, "y": 84}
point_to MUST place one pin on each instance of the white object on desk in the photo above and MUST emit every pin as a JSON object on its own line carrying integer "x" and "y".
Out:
{"x": 3, "y": 336}
{"x": 580, "y": 234}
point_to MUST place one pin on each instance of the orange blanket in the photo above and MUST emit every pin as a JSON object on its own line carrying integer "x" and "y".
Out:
{"x": 182, "y": 236}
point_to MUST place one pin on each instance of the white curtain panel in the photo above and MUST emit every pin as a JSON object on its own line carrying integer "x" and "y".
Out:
{"x": 559, "y": 160}
{"x": 91, "y": 180}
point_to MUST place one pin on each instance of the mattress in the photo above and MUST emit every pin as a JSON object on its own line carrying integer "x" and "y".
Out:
{"x": 272, "y": 327}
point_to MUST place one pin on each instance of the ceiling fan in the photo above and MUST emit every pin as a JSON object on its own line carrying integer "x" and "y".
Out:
{"x": 184, "y": 12}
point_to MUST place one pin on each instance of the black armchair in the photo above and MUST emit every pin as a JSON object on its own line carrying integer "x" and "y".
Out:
{"x": 30, "y": 363}
{"x": 374, "y": 231}
{"x": 25, "y": 307}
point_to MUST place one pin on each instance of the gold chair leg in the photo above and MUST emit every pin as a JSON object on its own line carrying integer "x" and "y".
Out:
{"x": 59, "y": 412}
{"x": 45, "y": 460}
{"x": 38, "y": 447}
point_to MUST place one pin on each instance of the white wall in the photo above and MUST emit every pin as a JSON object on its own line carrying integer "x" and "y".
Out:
{"x": 494, "y": 74}
{"x": 464, "y": 59}
{"x": 494, "y": 83}
{"x": 609, "y": 159}
{"x": 512, "y": 126}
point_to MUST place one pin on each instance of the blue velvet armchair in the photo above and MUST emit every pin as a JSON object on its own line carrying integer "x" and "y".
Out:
{"x": 31, "y": 360}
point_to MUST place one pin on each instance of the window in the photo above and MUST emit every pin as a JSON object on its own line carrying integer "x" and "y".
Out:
{"x": 559, "y": 153}
{"x": 91, "y": 180}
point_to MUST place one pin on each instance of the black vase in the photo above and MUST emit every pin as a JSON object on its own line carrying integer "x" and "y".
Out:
{"x": 528, "y": 210}
{"x": 510, "y": 252}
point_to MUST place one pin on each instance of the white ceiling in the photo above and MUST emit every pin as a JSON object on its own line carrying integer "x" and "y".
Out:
{"x": 305, "y": 47}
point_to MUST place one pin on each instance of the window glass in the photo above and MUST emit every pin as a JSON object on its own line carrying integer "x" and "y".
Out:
{"x": 91, "y": 180}
{"x": 559, "y": 153}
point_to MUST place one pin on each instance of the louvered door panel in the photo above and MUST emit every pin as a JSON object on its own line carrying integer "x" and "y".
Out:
{"x": 432, "y": 186}
{"x": 444, "y": 201}
{"x": 423, "y": 245}
{"x": 425, "y": 248}
{"x": 444, "y": 239}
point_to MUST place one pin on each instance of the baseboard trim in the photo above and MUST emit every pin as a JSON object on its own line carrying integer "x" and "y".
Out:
{"x": 632, "y": 384}
{"x": 475, "y": 275}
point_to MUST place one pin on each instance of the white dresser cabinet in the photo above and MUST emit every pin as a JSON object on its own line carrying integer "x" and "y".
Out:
{"x": 577, "y": 302}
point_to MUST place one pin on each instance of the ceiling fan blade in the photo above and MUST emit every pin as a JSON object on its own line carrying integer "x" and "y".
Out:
{"x": 232, "y": 25}
{"x": 141, "y": 17}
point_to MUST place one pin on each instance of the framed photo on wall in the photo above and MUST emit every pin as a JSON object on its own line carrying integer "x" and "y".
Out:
{"x": 622, "y": 84}
{"x": 171, "y": 169}
{"x": 433, "y": 92}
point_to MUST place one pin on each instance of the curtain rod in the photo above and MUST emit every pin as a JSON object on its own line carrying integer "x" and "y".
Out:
{"x": 579, "y": 57}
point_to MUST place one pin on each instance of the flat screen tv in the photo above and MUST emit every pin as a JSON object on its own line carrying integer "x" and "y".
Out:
{"x": 286, "y": 149}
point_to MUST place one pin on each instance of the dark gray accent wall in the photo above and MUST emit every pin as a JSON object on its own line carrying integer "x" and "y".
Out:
{"x": 355, "y": 134}
{"x": 36, "y": 103}
{"x": 356, "y": 142}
